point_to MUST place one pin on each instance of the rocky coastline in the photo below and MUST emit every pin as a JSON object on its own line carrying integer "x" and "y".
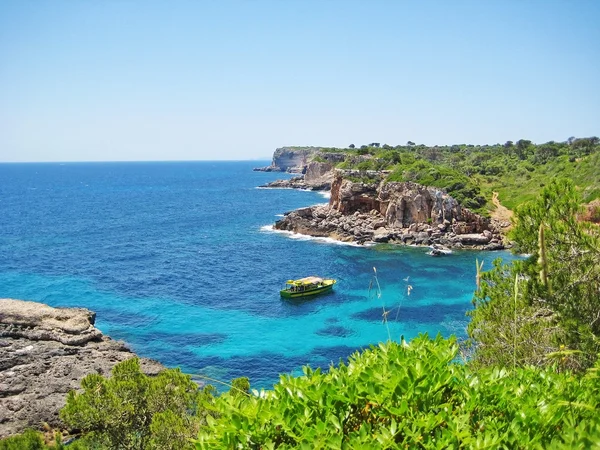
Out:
{"x": 290, "y": 159}
{"x": 394, "y": 212}
{"x": 44, "y": 354}
{"x": 316, "y": 176}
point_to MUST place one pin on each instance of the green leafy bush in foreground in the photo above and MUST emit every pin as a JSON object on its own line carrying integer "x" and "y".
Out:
{"x": 412, "y": 395}
{"x": 29, "y": 440}
{"x": 543, "y": 310}
{"x": 131, "y": 410}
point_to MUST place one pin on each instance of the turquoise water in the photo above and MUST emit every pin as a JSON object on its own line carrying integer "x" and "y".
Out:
{"x": 178, "y": 260}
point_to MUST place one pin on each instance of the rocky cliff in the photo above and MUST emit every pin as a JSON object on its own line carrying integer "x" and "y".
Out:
{"x": 406, "y": 212}
{"x": 44, "y": 353}
{"x": 290, "y": 159}
{"x": 317, "y": 169}
{"x": 297, "y": 159}
{"x": 317, "y": 177}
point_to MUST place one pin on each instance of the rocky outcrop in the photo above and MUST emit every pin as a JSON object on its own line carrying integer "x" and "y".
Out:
{"x": 317, "y": 177}
{"x": 290, "y": 159}
{"x": 44, "y": 353}
{"x": 405, "y": 212}
{"x": 298, "y": 159}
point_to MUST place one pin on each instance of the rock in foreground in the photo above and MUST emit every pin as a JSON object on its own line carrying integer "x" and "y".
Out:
{"x": 44, "y": 353}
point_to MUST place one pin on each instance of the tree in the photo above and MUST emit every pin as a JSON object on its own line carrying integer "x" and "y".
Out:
{"x": 351, "y": 146}
{"x": 410, "y": 143}
{"x": 549, "y": 303}
{"x": 130, "y": 410}
{"x": 522, "y": 148}
{"x": 545, "y": 152}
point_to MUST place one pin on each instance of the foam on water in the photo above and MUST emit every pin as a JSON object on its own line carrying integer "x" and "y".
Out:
{"x": 304, "y": 237}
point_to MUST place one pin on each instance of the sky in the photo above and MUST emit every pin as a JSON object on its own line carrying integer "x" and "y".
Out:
{"x": 124, "y": 80}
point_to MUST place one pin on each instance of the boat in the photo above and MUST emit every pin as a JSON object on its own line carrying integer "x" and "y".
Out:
{"x": 305, "y": 287}
{"x": 439, "y": 250}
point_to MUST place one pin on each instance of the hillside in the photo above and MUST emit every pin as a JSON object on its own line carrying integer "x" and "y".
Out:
{"x": 470, "y": 173}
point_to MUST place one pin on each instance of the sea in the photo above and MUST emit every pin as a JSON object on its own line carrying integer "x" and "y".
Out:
{"x": 180, "y": 261}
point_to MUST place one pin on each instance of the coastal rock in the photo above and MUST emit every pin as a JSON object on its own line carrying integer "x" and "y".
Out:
{"x": 317, "y": 177}
{"x": 44, "y": 353}
{"x": 405, "y": 212}
{"x": 290, "y": 159}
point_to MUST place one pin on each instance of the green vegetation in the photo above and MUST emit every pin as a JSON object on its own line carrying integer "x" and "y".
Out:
{"x": 34, "y": 440}
{"x": 130, "y": 410}
{"x": 531, "y": 379}
{"x": 517, "y": 171}
{"x": 412, "y": 395}
{"x": 544, "y": 310}
{"x": 29, "y": 440}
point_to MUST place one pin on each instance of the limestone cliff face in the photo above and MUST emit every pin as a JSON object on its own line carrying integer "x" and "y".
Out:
{"x": 44, "y": 353}
{"x": 403, "y": 204}
{"x": 293, "y": 159}
{"x": 318, "y": 175}
{"x": 403, "y": 212}
{"x": 297, "y": 159}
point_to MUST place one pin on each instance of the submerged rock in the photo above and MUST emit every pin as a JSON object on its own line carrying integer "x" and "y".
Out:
{"x": 44, "y": 353}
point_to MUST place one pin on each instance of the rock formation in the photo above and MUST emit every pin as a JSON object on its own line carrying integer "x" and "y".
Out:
{"x": 44, "y": 353}
{"x": 290, "y": 159}
{"x": 400, "y": 212}
{"x": 298, "y": 159}
{"x": 317, "y": 177}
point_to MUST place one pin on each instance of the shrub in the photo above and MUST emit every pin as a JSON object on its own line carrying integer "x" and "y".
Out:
{"x": 29, "y": 440}
{"x": 131, "y": 410}
{"x": 411, "y": 395}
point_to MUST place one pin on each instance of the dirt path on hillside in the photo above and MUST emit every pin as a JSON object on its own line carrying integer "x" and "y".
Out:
{"x": 501, "y": 213}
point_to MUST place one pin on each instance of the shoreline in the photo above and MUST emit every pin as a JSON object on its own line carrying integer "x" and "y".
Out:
{"x": 45, "y": 352}
{"x": 420, "y": 216}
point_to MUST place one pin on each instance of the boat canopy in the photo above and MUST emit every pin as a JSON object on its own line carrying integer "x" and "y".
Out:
{"x": 305, "y": 281}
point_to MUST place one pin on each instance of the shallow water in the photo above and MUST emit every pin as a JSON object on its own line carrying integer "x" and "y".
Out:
{"x": 179, "y": 261}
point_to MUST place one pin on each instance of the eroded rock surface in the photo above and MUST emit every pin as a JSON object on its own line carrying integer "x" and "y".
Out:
{"x": 317, "y": 177}
{"x": 290, "y": 159}
{"x": 399, "y": 212}
{"x": 44, "y": 353}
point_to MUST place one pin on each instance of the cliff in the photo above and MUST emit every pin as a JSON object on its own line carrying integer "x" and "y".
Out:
{"x": 290, "y": 159}
{"x": 314, "y": 165}
{"x": 297, "y": 159}
{"x": 44, "y": 353}
{"x": 317, "y": 177}
{"x": 400, "y": 212}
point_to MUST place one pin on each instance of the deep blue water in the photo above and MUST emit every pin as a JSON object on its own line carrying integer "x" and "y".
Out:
{"x": 177, "y": 261}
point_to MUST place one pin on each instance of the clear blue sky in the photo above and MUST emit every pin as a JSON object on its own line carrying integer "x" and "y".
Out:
{"x": 170, "y": 80}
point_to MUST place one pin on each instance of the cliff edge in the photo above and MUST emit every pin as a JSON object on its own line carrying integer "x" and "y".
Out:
{"x": 44, "y": 353}
{"x": 396, "y": 212}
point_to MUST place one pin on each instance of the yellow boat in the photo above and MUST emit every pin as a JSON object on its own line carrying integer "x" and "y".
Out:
{"x": 307, "y": 286}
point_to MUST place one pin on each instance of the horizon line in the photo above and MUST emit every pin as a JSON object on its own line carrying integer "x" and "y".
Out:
{"x": 137, "y": 161}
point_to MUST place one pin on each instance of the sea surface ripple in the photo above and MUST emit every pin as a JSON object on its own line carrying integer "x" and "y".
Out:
{"x": 179, "y": 261}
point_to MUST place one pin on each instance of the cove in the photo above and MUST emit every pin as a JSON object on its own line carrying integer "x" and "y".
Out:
{"x": 177, "y": 261}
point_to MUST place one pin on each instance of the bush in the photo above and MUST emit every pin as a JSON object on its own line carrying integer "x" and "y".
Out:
{"x": 412, "y": 395}
{"x": 550, "y": 298}
{"x": 131, "y": 410}
{"x": 29, "y": 440}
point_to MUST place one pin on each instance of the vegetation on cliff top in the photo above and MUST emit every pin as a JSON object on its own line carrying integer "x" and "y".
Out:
{"x": 470, "y": 173}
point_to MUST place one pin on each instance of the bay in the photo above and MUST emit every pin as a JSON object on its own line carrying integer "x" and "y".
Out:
{"x": 178, "y": 260}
